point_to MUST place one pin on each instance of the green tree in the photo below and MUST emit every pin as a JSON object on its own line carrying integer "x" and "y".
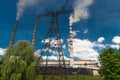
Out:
{"x": 16, "y": 61}
{"x": 110, "y": 64}
{"x": 30, "y": 72}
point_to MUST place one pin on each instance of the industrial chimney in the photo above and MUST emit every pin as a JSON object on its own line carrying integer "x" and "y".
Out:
{"x": 35, "y": 32}
{"x": 13, "y": 34}
{"x": 71, "y": 48}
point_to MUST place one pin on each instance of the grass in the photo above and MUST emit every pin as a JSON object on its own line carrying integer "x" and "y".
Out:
{"x": 72, "y": 77}
{"x": 83, "y": 77}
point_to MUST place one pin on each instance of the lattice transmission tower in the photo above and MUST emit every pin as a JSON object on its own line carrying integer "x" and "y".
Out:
{"x": 51, "y": 45}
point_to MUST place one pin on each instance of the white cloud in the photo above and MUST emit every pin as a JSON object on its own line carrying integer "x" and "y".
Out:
{"x": 101, "y": 39}
{"x": 100, "y": 46}
{"x": 66, "y": 58}
{"x": 84, "y": 49}
{"x": 87, "y": 50}
{"x": 116, "y": 46}
{"x": 52, "y": 42}
{"x": 50, "y": 58}
{"x": 85, "y": 31}
{"x": 64, "y": 46}
{"x": 52, "y": 53}
{"x": 116, "y": 40}
{"x": 75, "y": 33}
{"x": 54, "y": 57}
{"x": 2, "y": 51}
{"x": 37, "y": 53}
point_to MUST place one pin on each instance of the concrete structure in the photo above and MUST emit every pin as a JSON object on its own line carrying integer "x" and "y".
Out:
{"x": 13, "y": 34}
{"x": 95, "y": 72}
{"x": 79, "y": 63}
{"x": 84, "y": 67}
{"x": 71, "y": 48}
{"x": 35, "y": 32}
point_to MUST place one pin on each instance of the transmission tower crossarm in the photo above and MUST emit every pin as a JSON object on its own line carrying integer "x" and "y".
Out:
{"x": 45, "y": 7}
{"x": 65, "y": 4}
{"x": 56, "y": 12}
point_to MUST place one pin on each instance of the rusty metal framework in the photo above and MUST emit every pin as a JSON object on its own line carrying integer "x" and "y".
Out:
{"x": 51, "y": 45}
{"x": 52, "y": 42}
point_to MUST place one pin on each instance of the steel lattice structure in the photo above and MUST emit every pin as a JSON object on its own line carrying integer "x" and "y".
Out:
{"x": 52, "y": 42}
{"x": 52, "y": 35}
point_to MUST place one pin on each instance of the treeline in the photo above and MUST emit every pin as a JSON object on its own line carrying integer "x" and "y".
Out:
{"x": 110, "y": 64}
{"x": 18, "y": 62}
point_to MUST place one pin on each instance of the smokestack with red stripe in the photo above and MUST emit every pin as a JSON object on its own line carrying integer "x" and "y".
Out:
{"x": 13, "y": 34}
{"x": 35, "y": 32}
{"x": 71, "y": 47}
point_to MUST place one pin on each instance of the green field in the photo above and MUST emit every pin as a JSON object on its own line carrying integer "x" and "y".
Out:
{"x": 73, "y": 77}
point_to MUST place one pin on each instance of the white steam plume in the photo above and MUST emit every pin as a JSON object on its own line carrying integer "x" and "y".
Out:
{"x": 80, "y": 10}
{"x": 23, "y": 4}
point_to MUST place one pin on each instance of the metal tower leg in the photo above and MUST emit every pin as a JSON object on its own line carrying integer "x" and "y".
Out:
{"x": 52, "y": 34}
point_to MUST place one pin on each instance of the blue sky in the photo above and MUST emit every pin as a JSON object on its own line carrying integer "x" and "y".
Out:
{"x": 100, "y": 30}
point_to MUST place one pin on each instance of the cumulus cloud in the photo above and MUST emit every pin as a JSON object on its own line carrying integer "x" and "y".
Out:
{"x": 50, "y": 58}
{"x": 84, "y": 49}
{"x": 54, "y": 58}
{"x": 75, "y": 33}
{"x": 53, "y": 54}
{"x": 116, "y": 40}
{"x": 100, "y": 46}
{"x": 115, "y": 46}
{"x": 64, "y": 46}
{"x": 101, "y": 39}
{"x": 52, "y": 42}
{"x": 2, "y": 51}
{"x": 85, "y": 31}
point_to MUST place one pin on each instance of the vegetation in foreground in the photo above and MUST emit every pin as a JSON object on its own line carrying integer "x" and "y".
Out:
{"x": 19, "y": 61}
{"x": 73, "y": 77}
{"x": 110, "y": 64}
{"x": 16, "y": 63}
